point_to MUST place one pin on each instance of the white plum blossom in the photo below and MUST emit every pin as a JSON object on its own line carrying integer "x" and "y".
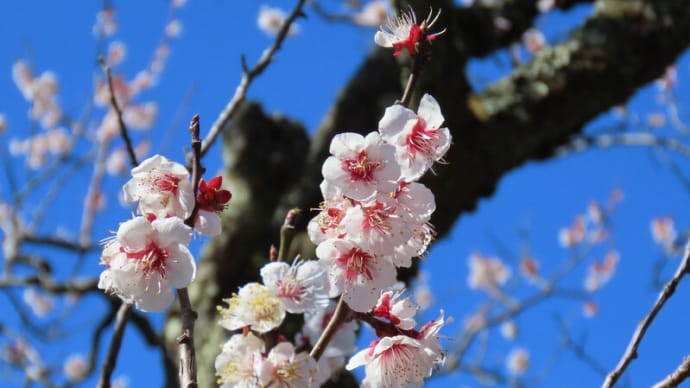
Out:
{"x": 254, "y": 306}
{"x": 400, "y": 312}
{"x": 240, "y": 361}
{"x": 301, "y": 287}
{"x": 419, "y": 139}
{"x": 41, "y": 303}
{"x": 377, "y": 226}
{"x": 146, "y": 260}
{"x": 403, "y": 32}
{"x": 328, "y": 223}
{"x": 283, "y": 368}
{"x": 361, "y": 165}
{"x": 162, "y": 188}
{"x": 356, "y": 273}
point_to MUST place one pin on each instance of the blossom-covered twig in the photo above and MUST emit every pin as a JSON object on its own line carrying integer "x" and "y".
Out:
{"x": 113, "y": 101}
{"x": 248, "y": 76}
{"x": 668, "y": 291}
{"x": 584, "y": 142}
{"x": 115, "y": 345}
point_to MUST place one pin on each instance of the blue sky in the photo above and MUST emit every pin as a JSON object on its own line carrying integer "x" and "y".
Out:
{"x": 540, "y": 197}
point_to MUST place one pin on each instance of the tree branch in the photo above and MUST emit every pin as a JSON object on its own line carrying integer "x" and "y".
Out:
{"x": 631, "y": 352}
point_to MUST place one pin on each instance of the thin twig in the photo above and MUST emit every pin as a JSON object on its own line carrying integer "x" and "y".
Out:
{"x": 115, "y": 345}
{"x": 113, "y": 101}
{"x": 248, "y": 76}
{"x": 631, "y": 352}
{"x": 340, "y": 315}
{"x": 185, "y": 342}
{"x": 287, "y": 232}
{"x": 678, "y": 376}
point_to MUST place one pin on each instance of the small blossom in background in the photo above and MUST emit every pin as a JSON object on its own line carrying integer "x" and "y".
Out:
{"x": 589, "y": 309}
{"x": 529, "y": 267}
{"x": 239, "y": 362}
{"x": 3, "y": 123}
{"x": 663, "y": 231}
{"x": 211, "y": 200}
{"x": 41, "y": 303}
{"x": 509, "y": 330}
{"x": 105, "y": 23}
{"x": 600, "y": 273}
{"x": 116, "y": 53}
{"x": 534, "y": 40}
{"x": 546, "y": 5}
{"x": 271, "y": 20}
{"x": 573, "y": 235}
{"x": 487, "y": 273}
{"x": 173, "y": 29}
{"x": 374, "y": 14}
{"x": 75, "y": 367}
{"x": 285, "y": 369}
{"x": 518, "y": 361}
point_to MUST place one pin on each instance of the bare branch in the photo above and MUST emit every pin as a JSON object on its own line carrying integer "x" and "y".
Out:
{"x": 115, "y": 345}
{"x": 678, "y": 376}
{"x": 247, "y": 77}
{"x": 584, "y": 142}
{"x": 340, "y": 315}
{"x": 631, "y": 352}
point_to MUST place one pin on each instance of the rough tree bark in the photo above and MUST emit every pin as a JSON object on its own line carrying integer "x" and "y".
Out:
{"x": 273, "y": 166}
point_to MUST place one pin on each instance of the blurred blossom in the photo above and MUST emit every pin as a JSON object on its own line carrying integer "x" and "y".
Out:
{"x": 271, "y": 20}
{"x": 589, "y": 309}
{"x": 518, "y": 361}
{"x": 143, "y": 80}
{"x": 373, "y": 14}
{"x": 600, "y": 272}
{"x": 179, "y": 3}
{"x": 109, "y": 127}
{"x": 116, "y": 163}
{"x": 140, "y": 116}
{"x": 502, "y": 24}
{"x": 663, "y": 231}
{"x": 58, "y": 141}
{"x": 173, "y": 29}
{"x": 3, "y": 123}
{"x": 20, "y": 352}
{"x": 487, "y": 273}
{"x": 546, "y": 5}
{"x": 123, "y": 93}
{"x": 668, "y": 80}
{"x": 573, "y": 235}
{"x": 594, "y": 213}
{"x": 75, "y": 367}
{"x": 41, "y": 303}
{"x": 656, "y": 120}
{"x": 509, "y": 330}
{"x": 116, "y": 53}
{"x": 534, "y": 40}
{"x": 120, "y": 382}
{"x": 529, "y": 267}
{"x": 475, "y": 322}
{"x": 105, "y": 23}
{"x": 423, "y": 296}
{"x": 23, "y": 79}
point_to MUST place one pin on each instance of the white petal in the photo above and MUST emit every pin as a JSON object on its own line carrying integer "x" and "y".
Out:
{"x": 208, "y": 224}
{"x": 135, "y": 234}
{"x": 171, "y": 231}
{"x": 181, "y": 268}
{"x": 155, "y": 301}
{"x": 430, "y": 111}
{"x": 394, "y": 120}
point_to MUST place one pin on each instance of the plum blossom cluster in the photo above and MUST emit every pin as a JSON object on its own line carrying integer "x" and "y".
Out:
{"x": 149, "y": 256}
{"x": 300, "y": 288}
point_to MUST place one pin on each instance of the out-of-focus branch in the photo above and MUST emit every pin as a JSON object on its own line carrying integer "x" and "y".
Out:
{"x": 641, "y": 139}
{"x": 116, "y": 106}
{"x": 668, "y": 291}
{"x": 678, "y": 376}
{"x": 115, "y": 345}
{"x": 57, "y": 242}
{"x": 248, "y": 75}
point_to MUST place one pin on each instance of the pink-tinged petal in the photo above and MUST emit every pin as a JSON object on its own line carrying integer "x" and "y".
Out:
{"x": 430, "y": 111}
{"x": 361, "y": 298}
{"x": 344, "y": 144}
{"x": 181, "y": 269}
{"x": 186, "y": 198}
{"x": 274, "y": 271}
{"x": 362, "y": 357}
{"x": 135, "y": 234}
{"x": 394, "y": 120}
{"x": 155, "y": 301}
{"x": 208, "y": 224}
{"x": 332, "y": 170}
{"x": 148, "y": 164}
{"x": 171, "y": 231}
